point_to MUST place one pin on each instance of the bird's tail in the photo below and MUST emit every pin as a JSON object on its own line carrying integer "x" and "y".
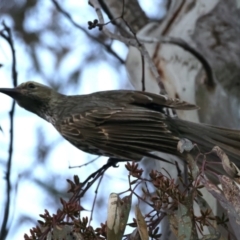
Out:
{"x": 207, "y": 136}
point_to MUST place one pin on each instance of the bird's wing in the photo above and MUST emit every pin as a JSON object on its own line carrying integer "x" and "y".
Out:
{"x": 144, "y": 99}
{"x": 129, "y": 132}
{"x": 155, "y": 100}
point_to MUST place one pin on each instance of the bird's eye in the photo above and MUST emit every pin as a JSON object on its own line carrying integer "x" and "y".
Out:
{"x": 31, "y": 85}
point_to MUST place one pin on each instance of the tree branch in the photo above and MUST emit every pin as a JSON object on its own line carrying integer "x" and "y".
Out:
{"x": 7, "y": 35}
{"x": 106, "y": 46}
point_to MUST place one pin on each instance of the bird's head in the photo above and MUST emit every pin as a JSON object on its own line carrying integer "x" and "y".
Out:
{"x": 32, "y": 96}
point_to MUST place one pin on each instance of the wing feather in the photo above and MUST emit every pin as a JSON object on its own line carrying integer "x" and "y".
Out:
{"x": 126, "y": 132}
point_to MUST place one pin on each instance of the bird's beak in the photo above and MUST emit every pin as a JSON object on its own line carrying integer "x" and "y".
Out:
{"x": 11, "y": 92}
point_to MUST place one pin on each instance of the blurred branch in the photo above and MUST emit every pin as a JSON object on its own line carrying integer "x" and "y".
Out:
{"x": 95, "y": 198}
{"x": 129, "y": 41}
{"x": 139, "y": 44}
{"x": 133, "y": 13}
{"x": 7, "y": 35}
{"x": 106, "y": 46}
{"x": 87, "y": 183}
{"x": 85, "y": 164}
{"x": 210, "y": 82}
{"x": 135, "y": 36}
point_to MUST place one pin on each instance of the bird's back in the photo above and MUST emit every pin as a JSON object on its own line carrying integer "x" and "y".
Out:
{"x": 127, "y": 124}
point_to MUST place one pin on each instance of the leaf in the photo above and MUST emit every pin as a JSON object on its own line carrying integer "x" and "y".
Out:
{"x": 232, "y": 193}
{"x": 185, "y": 223}
{"x": 142, "y": 226}
{"x": 64, "y": 232}
{"x": 220, "y": 196}
{"x": 230, "y": 168}
{"x": 125, "y": 210}
{"x": 204, "y": 206}
{"x": 118, "y": 213}
{"x": 192, "y": 164}
{"x": 173, "y": 221}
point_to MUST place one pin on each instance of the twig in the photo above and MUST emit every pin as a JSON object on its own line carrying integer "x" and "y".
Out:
{"x": 85, "y": 164}
{"x": 128, "y": 41}
{"x": 88, "y": 182}
{"x": 95, "y": 198}
{"x": 68, "y": 16}
{"x": 7, "y": 35}
{"x": 135, "y": 36}
{"x": 143, "y": 74}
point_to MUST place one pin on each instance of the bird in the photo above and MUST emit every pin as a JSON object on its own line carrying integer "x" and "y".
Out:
{"x": 122, "y": 124}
